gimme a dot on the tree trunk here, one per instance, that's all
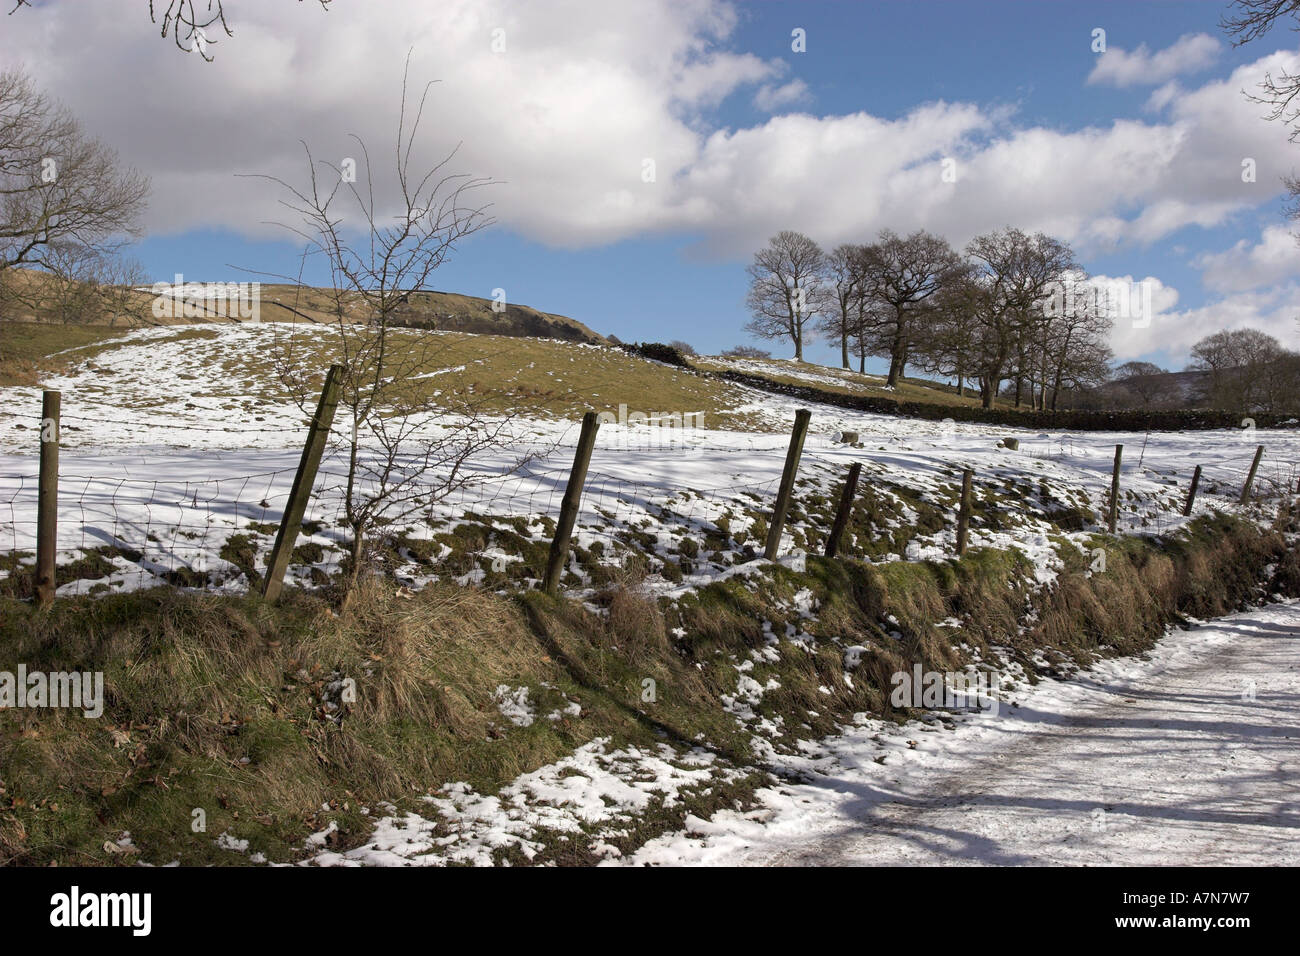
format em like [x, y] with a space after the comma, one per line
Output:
[358, 548]
[989, 385]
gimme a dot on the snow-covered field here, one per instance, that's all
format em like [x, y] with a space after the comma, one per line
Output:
[166, 454]
[169, 456]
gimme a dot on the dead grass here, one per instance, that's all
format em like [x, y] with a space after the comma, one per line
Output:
[29, 351]
[262, 716]
[849, 382]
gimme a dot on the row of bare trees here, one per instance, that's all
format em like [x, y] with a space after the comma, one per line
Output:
[1245, 370]
[1010, 308]
[1248, 369]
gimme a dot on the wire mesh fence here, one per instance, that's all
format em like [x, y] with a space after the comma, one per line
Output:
[694, 506]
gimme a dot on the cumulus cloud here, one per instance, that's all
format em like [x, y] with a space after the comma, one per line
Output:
[1188, 54]
[1245, 266]
[565, 117]
[770, 97]
[1099, 187]
[1170, 332]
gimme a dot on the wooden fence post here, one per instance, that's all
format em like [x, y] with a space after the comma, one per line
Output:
[783, 496]
[846, 508]
[287, 536]
[1250, 478]
[1191, 492]
[47, 501]
[963, 511]
[559, 555]
[1114, 489]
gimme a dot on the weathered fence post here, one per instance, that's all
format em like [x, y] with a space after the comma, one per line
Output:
[963, 511]
[787, 483]
[846, 508]
[287, 536]
[1114, 489]
[1191, 492]
[47, 501]
[1250, 478]
[569, 506]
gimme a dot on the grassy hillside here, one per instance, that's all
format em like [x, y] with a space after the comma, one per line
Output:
[443, 311]
[240, 369]
[845, 381]
[29, 347]
[30, 351]
[34, 292]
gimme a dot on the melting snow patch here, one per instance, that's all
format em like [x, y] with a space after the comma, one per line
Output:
[514, 705]
[594, 792]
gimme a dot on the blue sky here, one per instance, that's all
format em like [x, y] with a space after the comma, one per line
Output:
[1139, 169]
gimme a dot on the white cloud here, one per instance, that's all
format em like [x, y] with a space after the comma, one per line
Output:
[1172, 332]
[1188, 54]
[1245, 266]
[587, 90]
[771, 97]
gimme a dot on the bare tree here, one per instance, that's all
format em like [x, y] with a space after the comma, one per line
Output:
[79, 286]
[66, 291]
[842, 319]
[414, 428]
[945, 343]
[786, 290]
[1068, 350]
[119, 279]
[1151, 385]
[1248, 370]
[59, 188]
[901, 274]
[1013, 273]
[1077, 361]
[1250, 20]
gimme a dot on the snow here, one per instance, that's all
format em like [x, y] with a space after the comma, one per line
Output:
[594, 791]
[166, 454]
[514, 706]
[800, 371]
[1188, 757]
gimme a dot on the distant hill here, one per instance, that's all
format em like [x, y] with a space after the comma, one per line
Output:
[446, 311]
[1186, 389]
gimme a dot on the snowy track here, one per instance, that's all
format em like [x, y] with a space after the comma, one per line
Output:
[1192, 757]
